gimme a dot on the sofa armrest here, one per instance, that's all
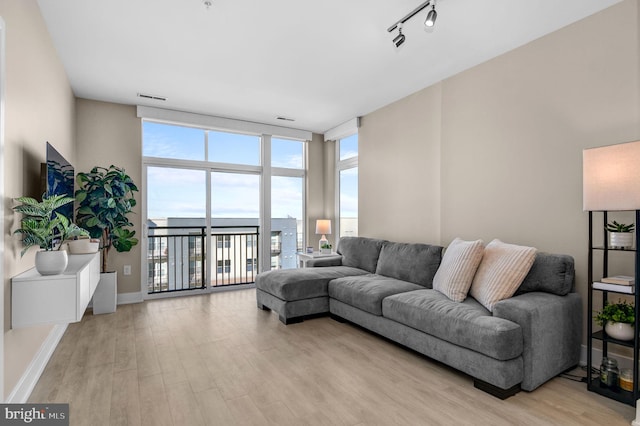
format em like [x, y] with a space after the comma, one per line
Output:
[325, 261]
[552, 333]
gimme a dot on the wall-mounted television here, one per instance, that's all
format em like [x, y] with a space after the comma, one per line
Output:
[59, 179]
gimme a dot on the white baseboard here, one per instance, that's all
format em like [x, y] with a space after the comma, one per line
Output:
[127, 298]
[20, 394]
[623, 360]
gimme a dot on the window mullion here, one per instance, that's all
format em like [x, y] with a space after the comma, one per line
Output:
[265, 205]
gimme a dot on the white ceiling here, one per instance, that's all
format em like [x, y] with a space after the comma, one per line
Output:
[320, 62]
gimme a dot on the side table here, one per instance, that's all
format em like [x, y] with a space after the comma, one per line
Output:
[303, 258]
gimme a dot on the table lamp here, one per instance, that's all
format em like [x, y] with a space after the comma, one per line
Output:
[323, 226]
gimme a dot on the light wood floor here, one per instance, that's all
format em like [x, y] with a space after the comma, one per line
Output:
[218, 360]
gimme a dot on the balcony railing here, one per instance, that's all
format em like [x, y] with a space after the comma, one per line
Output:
[177, 257]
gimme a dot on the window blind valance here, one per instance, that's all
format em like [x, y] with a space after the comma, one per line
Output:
[221, 123]
[342, 131]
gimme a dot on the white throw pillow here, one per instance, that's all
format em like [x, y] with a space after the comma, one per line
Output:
[501, 271]
[459, 264]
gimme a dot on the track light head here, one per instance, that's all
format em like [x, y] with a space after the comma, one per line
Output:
[431, 16]
[399, 39]
[429, 22]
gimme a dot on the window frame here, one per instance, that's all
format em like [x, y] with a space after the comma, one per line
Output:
[342, 165]
[264, 170]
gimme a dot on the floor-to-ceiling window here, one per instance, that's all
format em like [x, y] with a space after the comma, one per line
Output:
[287, 201]
[219, 209]
[347, 185]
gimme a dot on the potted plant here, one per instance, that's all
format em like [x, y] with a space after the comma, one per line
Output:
[325, 248]
[620, 234]
[105, 198]
[42, 226]
[618, 320]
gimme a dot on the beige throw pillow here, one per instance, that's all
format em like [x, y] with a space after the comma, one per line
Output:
[502, 270]
[459, 264]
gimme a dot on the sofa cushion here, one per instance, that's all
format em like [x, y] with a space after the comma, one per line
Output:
[304, 283]
[501, 271]
[360, 252]
[467, 324]
[415, 263]
[366, 292]
[459, 265]
[551, 273]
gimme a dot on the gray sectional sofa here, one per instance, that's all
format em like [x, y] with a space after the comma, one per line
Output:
[386, 287]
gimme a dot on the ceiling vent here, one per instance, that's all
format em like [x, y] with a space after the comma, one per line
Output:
[153, 97]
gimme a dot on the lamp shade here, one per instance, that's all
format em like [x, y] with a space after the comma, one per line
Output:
[611, 177]
[323, 226]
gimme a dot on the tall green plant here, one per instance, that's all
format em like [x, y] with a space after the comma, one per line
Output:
[41, 225]
[105, 198]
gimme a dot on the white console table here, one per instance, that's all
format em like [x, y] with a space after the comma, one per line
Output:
[54, 299]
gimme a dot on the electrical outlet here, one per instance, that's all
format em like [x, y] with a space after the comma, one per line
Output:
[127, 269]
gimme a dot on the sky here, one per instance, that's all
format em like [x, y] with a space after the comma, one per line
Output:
[181, 192]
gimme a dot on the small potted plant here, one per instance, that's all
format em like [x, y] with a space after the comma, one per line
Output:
[325, 248]
[618, 319]
[620, 234]
[42, 226]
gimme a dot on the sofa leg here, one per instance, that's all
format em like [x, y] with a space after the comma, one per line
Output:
[288, 321]
[494, 390]
[263, 307]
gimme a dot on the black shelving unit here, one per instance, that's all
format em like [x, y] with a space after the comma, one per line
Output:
[593, 380]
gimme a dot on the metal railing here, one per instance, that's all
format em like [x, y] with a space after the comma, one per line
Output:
[177, 257]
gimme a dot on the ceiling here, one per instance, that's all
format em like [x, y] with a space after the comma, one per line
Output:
[318, 62]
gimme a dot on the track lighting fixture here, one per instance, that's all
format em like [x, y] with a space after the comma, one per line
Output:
[399, 39]
[431, 16]
[429, 22]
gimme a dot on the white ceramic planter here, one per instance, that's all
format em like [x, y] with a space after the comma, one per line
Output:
[619, 330]
[51, 262]
[621, 239]
[83, 246]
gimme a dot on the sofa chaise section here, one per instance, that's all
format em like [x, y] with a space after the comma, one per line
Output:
[298, 293]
